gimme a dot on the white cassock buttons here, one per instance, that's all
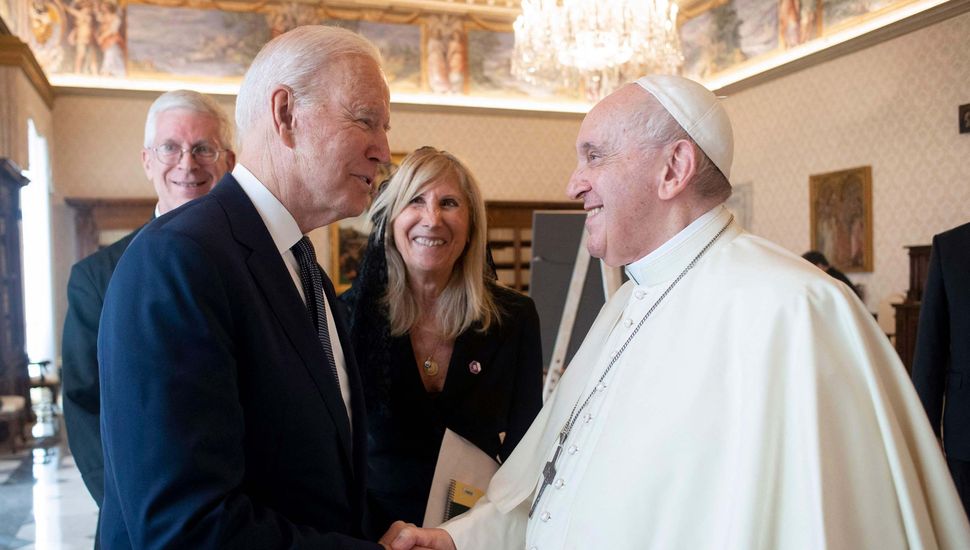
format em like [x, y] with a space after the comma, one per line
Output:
[545, 516]
[559, 484]
[639, 294]
[628, 323]
[572, 449]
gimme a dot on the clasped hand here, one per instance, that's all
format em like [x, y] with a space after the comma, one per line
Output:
[405, 536]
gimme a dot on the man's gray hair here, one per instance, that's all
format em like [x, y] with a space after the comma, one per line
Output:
[658, 127]
[295, 59]
[190, 101]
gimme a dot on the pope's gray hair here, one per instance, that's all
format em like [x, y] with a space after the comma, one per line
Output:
[655, 126]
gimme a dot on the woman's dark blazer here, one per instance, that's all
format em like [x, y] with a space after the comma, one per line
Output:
[492, 392]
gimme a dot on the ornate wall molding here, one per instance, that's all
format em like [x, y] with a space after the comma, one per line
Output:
[15, 53]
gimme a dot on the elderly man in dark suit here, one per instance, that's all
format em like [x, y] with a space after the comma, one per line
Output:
[941, 366]
[187, 148]
[232, 410]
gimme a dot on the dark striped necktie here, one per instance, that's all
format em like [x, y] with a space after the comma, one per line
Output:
[312, 281]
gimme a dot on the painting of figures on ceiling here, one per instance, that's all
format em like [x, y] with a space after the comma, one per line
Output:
[425, 53]
[210, 43]
[78, 36]
[445, 55]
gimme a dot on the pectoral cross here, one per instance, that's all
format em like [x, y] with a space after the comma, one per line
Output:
[548, 474]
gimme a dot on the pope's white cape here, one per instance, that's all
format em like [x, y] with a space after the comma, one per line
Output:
[759, 407]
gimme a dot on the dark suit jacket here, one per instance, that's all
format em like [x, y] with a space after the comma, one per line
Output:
[941, 367]
[79, 355]
[222, 425]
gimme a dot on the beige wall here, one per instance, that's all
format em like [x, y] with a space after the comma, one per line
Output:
[891, 106]
[515, 155]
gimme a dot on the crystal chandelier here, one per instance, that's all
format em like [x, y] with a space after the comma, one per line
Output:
[599, 44]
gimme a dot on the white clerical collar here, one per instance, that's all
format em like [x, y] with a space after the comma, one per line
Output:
[279, 222]
[665, 261]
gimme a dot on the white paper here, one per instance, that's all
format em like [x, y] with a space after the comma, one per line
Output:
[458, 459]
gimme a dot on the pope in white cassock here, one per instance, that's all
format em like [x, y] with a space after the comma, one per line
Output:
[730, 395]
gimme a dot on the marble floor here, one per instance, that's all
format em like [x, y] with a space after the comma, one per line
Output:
[43, 502]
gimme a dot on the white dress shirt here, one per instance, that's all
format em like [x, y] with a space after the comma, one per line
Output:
[286, 233]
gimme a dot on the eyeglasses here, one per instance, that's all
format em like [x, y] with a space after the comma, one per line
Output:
[170, 154]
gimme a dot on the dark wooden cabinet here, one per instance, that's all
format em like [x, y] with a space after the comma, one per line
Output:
[13, 357]
[919, 268]
[907, 312]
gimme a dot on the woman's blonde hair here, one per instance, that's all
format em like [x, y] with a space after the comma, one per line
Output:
[466, 298]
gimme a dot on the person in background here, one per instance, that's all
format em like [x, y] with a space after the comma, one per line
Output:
[942, 358]
[187, 148]
[728, 396]
[232, 413]
[819, 260]
[440, 343]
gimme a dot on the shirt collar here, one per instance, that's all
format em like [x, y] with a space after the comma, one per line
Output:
[279, 222]
[688, 241]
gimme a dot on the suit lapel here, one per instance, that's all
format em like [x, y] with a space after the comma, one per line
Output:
[470, 346]
[271, 276]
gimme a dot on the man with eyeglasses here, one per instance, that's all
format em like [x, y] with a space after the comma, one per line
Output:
[187, 149]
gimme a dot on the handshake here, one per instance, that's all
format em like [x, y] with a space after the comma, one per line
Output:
[405, 536]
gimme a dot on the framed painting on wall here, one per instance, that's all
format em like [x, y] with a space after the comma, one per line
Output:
[348, 237]
[841, 217]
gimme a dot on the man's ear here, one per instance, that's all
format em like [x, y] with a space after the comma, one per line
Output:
[146, 161]
[282, 101]
[678, 170]
[230, 160]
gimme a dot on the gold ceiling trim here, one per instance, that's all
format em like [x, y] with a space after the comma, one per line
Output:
[378, 11]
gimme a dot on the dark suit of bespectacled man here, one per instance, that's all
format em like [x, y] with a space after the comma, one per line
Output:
[232, 410]
[177, 120]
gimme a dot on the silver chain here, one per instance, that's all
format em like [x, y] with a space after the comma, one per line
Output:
[574, 414]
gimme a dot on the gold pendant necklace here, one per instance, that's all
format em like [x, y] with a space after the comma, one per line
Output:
[430, 366]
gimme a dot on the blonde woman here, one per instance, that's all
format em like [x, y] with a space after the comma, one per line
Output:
[440, 344]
